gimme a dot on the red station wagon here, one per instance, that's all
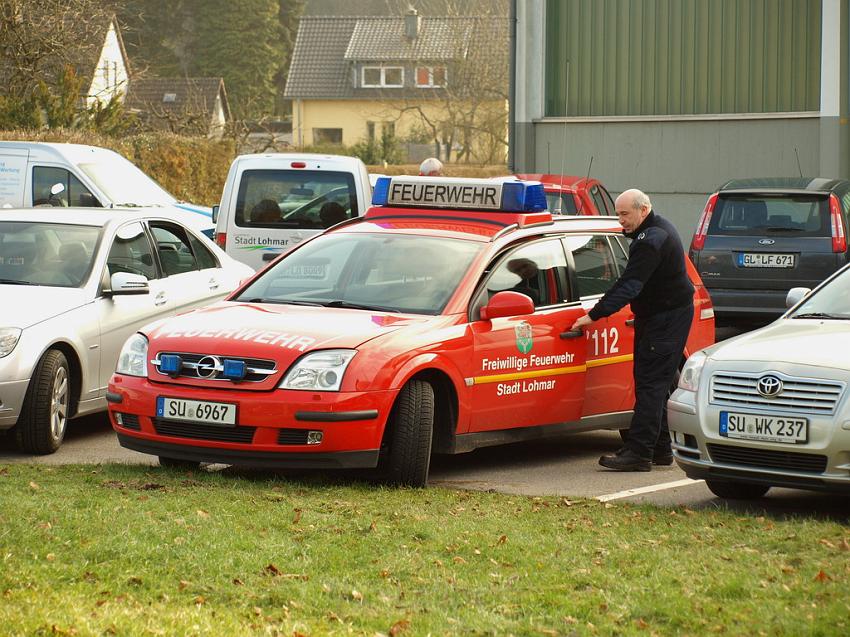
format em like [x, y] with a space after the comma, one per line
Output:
[573, 195]
[437, 322]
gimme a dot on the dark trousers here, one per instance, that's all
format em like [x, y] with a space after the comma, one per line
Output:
[659, 343]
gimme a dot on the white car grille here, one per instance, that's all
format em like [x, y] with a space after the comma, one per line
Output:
[800, 395]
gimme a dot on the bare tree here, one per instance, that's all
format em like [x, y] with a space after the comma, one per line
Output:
[40, 39]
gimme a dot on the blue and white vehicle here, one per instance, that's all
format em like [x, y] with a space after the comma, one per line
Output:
[45, 174]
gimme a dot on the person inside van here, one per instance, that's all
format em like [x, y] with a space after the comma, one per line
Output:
[266, 211]
[331, 213]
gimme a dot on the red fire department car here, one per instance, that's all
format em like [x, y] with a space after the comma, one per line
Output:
[574, 195]
[437, 322]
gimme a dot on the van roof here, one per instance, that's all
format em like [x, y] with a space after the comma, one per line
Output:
[283, 157]
[73, 153]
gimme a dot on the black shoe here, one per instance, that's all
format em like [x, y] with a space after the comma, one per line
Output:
[662, 458]
[625, 460]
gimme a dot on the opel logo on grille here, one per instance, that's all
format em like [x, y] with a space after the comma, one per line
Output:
[767, 242]
[208, 366]
[769, 386]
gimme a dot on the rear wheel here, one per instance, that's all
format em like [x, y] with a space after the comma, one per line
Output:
[44, 417]
[411, 429]
[177, 463]
[736, 490]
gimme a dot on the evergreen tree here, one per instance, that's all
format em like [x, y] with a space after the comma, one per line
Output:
[240, 40]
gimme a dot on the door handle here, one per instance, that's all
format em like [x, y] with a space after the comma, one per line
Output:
[630, 321]
[572, 333]
[213, 284]
[160, 299]
[269, 256]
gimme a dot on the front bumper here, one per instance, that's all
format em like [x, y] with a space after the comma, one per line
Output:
[12, 394]
[822, 464]
[271, 427]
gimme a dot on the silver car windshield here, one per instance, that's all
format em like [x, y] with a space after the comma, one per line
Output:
[50, 254]
[381, 272]
[832, 301]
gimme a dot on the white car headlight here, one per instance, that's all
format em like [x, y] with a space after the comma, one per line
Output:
[133, 360]
[319, 371]
[689, 378]
[8, 339]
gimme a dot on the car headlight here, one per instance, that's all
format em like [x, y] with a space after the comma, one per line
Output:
[319, 371]
[689, 378]
[8, 339]
[133, 360]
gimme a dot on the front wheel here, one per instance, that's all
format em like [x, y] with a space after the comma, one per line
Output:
[411, 425]
[44, 417]
[736, 490]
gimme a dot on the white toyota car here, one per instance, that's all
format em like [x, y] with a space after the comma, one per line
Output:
[771, 407]
[74, 284]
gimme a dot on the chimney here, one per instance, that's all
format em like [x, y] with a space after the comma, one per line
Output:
[412, 22]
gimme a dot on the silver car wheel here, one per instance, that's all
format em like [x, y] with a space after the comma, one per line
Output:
[59, 403]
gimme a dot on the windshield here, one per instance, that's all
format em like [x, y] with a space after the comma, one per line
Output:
[392, 273]
[560, 203]
[124, 184]
[52, 254]
[792, 214]
[831, 301]
[295, 198]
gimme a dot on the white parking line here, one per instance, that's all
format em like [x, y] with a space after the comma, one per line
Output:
[650, 489]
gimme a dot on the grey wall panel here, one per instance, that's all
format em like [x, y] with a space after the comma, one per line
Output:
[681, 161]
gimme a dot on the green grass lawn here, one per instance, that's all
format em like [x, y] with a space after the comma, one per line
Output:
[129, 550]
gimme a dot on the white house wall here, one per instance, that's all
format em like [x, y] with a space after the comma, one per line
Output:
[103, 89]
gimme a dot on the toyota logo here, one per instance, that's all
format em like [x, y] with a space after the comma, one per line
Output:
[209, 366]
[769, 386]
[766, 242]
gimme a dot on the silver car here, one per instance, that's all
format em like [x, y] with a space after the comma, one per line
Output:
[771, 407]
[74, 284]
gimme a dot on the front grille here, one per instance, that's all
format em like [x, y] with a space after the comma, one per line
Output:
[800, 395]
[130, 421]
[768, 459]
[197, 431]
[292, 437]
[257, 369]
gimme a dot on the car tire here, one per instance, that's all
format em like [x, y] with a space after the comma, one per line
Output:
[411, 425]
[177, 463]
[44, 417]
[736, 490]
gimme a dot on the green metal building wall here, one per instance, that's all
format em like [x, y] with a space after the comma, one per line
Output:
[681, 57]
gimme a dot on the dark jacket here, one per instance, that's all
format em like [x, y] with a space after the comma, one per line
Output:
[655, 279]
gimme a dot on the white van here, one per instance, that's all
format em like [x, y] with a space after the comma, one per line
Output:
[42, 174]
[273, 201]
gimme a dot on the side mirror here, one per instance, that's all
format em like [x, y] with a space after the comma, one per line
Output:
[124, 283]
[507, 303]
[215, 210]
[795, 295]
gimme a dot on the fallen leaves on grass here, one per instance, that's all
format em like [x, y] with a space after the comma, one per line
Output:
[399, 627]
[822, 576]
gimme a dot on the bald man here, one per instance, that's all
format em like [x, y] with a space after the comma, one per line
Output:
[656, 284]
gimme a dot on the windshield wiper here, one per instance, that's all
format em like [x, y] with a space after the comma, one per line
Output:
[359, 306]
[283, 302]
[821, 315]
[14, 282]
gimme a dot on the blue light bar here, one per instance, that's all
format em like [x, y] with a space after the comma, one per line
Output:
[518, 196]
[170, 364]
[233, 369]
[381, 191]
[481, 195]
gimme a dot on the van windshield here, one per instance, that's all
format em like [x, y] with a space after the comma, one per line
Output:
[798, 215]
[124, 184]
[295, 198]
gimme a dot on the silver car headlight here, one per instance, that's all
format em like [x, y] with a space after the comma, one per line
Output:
[9, 337]
[133, 360]
[689, 378]
[319, 371]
